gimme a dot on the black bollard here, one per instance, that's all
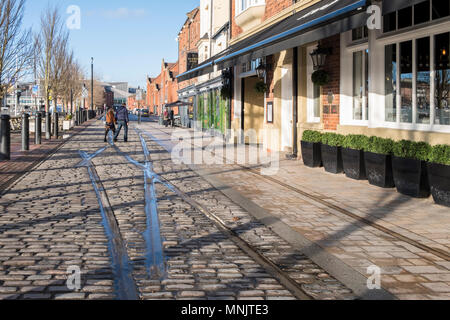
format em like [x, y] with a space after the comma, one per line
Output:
[48, 126]
[5, 137]
[139, 117]
[25, 132]
[56, 125]
[38, 129]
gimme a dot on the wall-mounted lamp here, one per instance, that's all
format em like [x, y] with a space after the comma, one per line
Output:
[261, 71]
[319, 57]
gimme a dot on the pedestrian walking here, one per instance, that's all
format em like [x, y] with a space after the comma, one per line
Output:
[172, 118]
[110, 123]
[122, 121]
[166, 118]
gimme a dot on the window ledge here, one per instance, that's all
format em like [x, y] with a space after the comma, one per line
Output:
[250, 17]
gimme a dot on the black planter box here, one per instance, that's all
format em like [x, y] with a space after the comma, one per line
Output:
[311, 154]
[379, 170]
[439, 178]
[410, 177]
[354, 166]
[332, 159]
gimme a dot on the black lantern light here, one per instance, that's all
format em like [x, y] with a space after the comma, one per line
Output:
[261, 71]
[319, 57]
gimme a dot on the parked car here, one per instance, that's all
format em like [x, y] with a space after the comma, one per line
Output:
[145, 113]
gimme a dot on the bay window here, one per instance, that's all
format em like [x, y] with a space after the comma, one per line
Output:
[442, 79]
[242, 5]
[421, 69]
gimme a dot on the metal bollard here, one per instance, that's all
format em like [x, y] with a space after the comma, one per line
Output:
[139, 117]
[48, 126]
[56, 125]
[38, 129]
[25, 132]
[5, 137]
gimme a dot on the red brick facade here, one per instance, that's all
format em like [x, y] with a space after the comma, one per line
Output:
[331, 112]
[188, 38]
[163, 89]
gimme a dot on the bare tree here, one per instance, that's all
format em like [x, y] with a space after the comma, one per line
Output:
[52, 41]
[16, 47]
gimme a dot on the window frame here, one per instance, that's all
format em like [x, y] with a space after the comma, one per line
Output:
[346, 87]
[413, 35]
[311, 118]
[248, 4]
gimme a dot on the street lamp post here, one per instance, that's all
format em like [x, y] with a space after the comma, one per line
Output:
[92, 84]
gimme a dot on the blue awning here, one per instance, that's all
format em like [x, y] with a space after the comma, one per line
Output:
[314, 16]
[319, 21]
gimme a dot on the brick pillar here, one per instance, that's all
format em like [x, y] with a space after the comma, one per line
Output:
[331, 112]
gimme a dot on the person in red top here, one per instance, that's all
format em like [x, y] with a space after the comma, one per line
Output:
[110, 122]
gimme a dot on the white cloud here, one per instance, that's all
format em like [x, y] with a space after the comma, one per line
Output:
[123, 13]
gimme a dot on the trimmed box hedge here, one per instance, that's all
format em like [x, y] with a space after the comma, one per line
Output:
[312, 136]
[440, 154]
[412, 150]
[333, 139]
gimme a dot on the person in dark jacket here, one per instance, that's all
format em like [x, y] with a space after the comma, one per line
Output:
[122, 121]
[172, 118]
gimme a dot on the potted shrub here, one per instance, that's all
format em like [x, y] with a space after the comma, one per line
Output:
[439, 174]
[410, 168]
[378, 160]
[311, 153]
[353, 156]
[331, 152]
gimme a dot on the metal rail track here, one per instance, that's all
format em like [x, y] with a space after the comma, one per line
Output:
[435, 251]
[290, 284]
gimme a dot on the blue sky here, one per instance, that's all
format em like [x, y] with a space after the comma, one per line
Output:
[127, 39]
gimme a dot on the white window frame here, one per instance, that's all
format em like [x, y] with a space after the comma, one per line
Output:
[346, 83]
[311, 118]
[429, 31]
[243, 5]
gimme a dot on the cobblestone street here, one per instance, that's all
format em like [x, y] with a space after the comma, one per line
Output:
[140, 226]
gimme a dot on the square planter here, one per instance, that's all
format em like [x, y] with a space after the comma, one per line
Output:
[311, 154]
[354, 166]
[379, 170]
[332, 159]
[410, 177]
[439, 178]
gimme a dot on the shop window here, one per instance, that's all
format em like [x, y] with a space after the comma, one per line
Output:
[405, 18]
[390, 22]
[406, 80]
[423, 80]
[418, 76]
[391, 83]
[360, 33]
[422, 12]
[442, 79]
[360, 85]
[441, 9]
[415, 15]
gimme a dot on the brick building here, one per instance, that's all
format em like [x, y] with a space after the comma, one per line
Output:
[387, 80]
[162, 90]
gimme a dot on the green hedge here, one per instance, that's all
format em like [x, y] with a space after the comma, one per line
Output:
[403, 149]
[355, 142]
[440, 154]
[333, 139]
[312, 136]
[412, 150]
[380, 146]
